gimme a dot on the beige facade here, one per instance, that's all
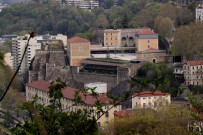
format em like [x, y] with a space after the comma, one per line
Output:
[112, 38]
[148, 99]
[145, 39]
[77, 50]
[41, 89]
[152, 55]
[193, 72]
[144, 44]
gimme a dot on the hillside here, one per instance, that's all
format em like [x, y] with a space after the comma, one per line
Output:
[48, 16]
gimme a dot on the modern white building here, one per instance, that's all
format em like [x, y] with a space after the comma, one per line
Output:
[19, 43]
[84, 4]
[149, 99]
[101, 88]
[18, 47]
[199, 12]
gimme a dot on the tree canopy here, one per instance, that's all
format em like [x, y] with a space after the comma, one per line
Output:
[48, 16]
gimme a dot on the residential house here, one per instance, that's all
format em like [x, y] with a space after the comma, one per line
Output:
[199, 12]
[149, 99]
[193, 72]
[112, 38]
[146, 39]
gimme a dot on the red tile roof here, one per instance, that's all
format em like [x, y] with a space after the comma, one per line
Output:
[122, 113]
[77, 39]
[145, 32]
[40, 84]
[195, 63]
[69, 93]
[150, 93]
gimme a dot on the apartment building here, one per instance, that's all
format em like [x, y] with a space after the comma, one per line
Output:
[112, 38]
[84, 4]
[152, 55]
[199, 12]
[149, 99]
[77, 50]
[41, 88]
[18, 47]
[193, 72]
[146, 39]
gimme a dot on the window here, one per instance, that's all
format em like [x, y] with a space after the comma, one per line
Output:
[106, 107]
[111, 34]
[148, 41]
[98, 115]
[106, 38]
[115, 38]
[106, 33]
[111, 44]
[148, 46]
[106, 44]
[80, 48]
[150, 104]
[144, 105]
[98, 124]
[111, 38]
[143, 98]
[149, 97]
[115, 44]
[157, 54]
[144, 55]
[115, 106]
[136, 104]
[107, 114]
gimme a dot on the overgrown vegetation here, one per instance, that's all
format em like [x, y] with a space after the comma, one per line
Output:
[157, 77]
[171, 120]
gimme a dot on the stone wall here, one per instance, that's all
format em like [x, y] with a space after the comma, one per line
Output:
[49, 65]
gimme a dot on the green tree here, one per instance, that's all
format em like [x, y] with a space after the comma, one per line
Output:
[86, 35]
[52, 120]
[163, 26]
[188, 41]
[101, 21]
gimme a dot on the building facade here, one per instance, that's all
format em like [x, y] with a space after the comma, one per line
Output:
[149, 99]
[146, 39]
[83, 4]
[193, 72]
[112, 38]
[77, 50]
[41, 88]
[18, 47]
[199, 13]
[152, 55]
